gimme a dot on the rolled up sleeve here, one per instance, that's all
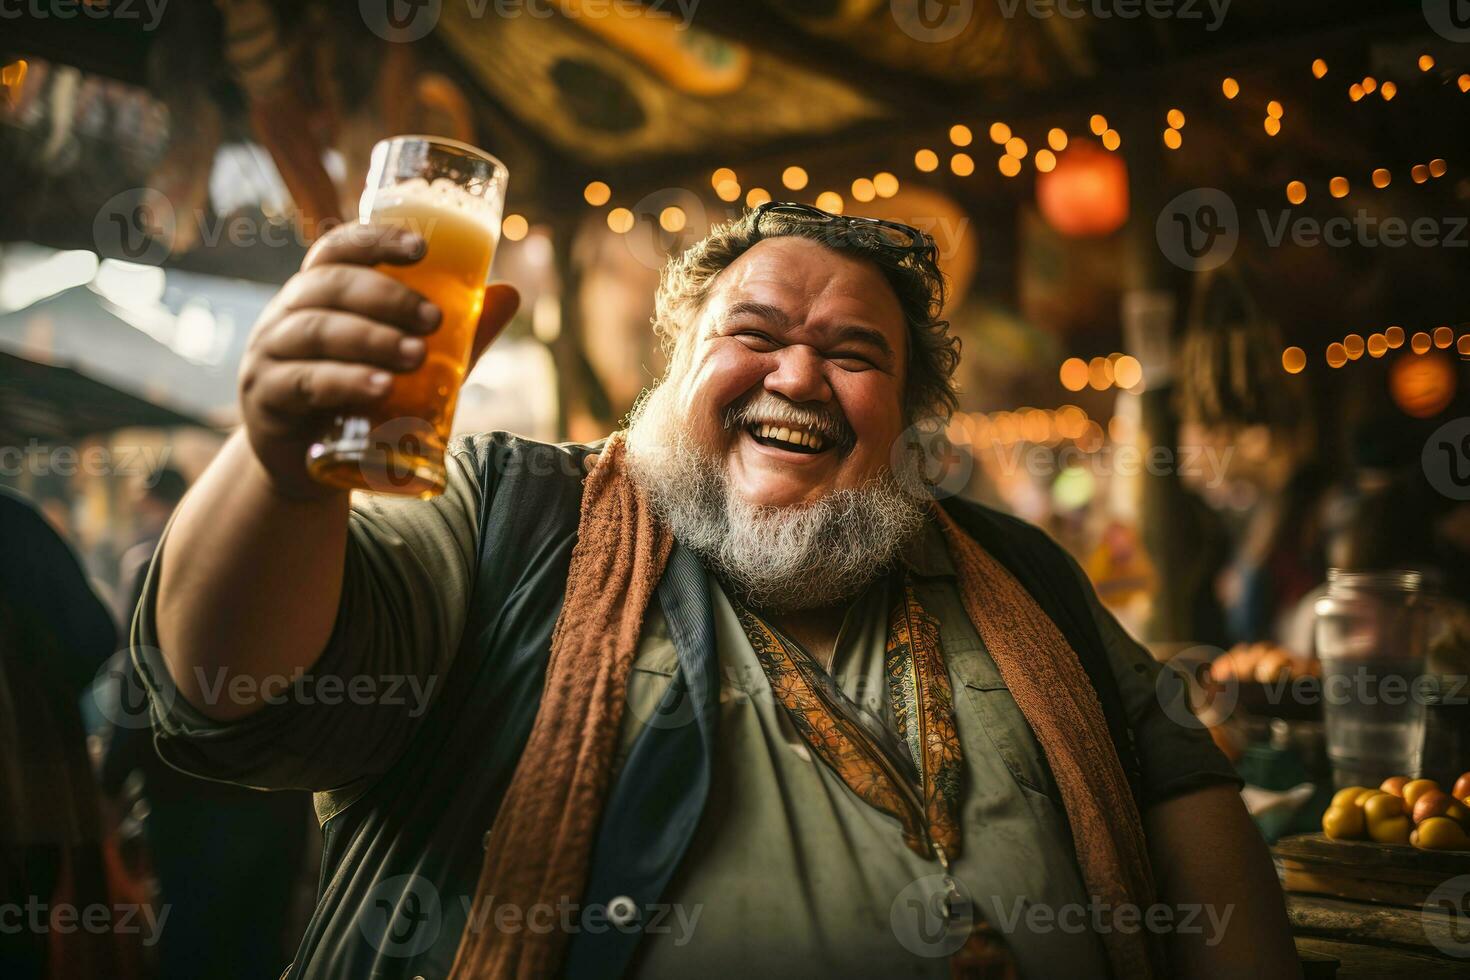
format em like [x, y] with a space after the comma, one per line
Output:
[1175, 749]
[406, 584]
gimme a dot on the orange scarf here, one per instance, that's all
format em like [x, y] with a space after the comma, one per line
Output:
[541, 841]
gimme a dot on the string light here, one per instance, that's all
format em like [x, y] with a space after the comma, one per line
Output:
[597, 193]
[830, 201]
[1272, 125]
[1377, 345]
[1319, 68]
[962, 164]
[1426, 62]
[1175, 119]
[1394, 337]
[672, 218]
[863, 190]
[1296, 192]
[1127, 372]
[793, 178]
[1056, 138]
[756, 197]
[1420, 343]
[1294, 360]
[1419, 173]
[1274, 109]
[1388, 90]
[720, 176]
[885, 183]
[1355, 92]
[514, 227]
[1073, 374]
[1009, 165]
[1172, 139]
[1464, 83]
[999, 133]
[1098, 124]
[926, 160]
[1462, 346]
[1437, 168]
[1046, 161]
[1016, 147]
[1336, 356]
[1230, 87]
[1443, 337]
[1370, 85]
[620, 220]
[1111, 140]
[1338, 187]
[1100, 373]
[728, 190]
[1353, 345]
[1381, 178]
[960, 135]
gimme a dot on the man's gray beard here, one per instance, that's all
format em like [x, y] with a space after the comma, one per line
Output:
[778, 558]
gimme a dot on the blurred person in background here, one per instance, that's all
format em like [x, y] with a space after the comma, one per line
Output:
[153, 505]
[58, 856]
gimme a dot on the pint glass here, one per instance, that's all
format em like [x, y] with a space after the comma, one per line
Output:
[451, 194]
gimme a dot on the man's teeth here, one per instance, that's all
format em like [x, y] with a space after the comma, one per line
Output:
[796, 436]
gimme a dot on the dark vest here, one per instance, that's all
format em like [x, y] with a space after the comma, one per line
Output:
[400, 865]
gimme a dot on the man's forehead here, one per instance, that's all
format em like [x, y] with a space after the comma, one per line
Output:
[798, 272]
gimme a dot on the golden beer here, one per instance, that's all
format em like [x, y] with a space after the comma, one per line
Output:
[452, 195]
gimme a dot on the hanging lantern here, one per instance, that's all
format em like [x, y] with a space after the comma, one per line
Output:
[1422, 385]
[1086, 196]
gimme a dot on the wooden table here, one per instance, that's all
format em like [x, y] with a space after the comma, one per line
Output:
[1360, 909]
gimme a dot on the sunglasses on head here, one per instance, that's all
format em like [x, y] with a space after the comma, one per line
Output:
[871, 232]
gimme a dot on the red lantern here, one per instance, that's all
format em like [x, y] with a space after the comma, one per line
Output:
[1086, 196]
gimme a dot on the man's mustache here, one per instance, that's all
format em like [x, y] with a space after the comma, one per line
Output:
[822, 417]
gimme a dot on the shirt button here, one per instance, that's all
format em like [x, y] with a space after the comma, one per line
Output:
[622, 911]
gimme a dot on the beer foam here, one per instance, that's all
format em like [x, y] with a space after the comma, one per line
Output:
[441, 194]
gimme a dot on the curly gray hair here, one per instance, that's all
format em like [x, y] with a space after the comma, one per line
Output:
[934, 354]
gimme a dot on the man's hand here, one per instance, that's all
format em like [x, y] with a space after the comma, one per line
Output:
[332, 339]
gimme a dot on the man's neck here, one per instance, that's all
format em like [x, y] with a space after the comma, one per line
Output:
[815, 629]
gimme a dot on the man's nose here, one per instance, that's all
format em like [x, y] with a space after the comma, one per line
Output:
[799, 375]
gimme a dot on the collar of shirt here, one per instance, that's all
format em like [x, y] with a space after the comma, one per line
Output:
[927, 556]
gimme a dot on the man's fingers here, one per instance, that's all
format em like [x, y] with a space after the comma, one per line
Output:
[331, 335]
[296, 388]
[501, 302]
[364, 292]
[354, 243]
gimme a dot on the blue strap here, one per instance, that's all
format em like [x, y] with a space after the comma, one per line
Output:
[656, 803]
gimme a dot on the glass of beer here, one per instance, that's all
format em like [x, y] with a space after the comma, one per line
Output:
[453, 195]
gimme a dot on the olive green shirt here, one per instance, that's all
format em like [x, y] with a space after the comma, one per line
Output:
[789, 869]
